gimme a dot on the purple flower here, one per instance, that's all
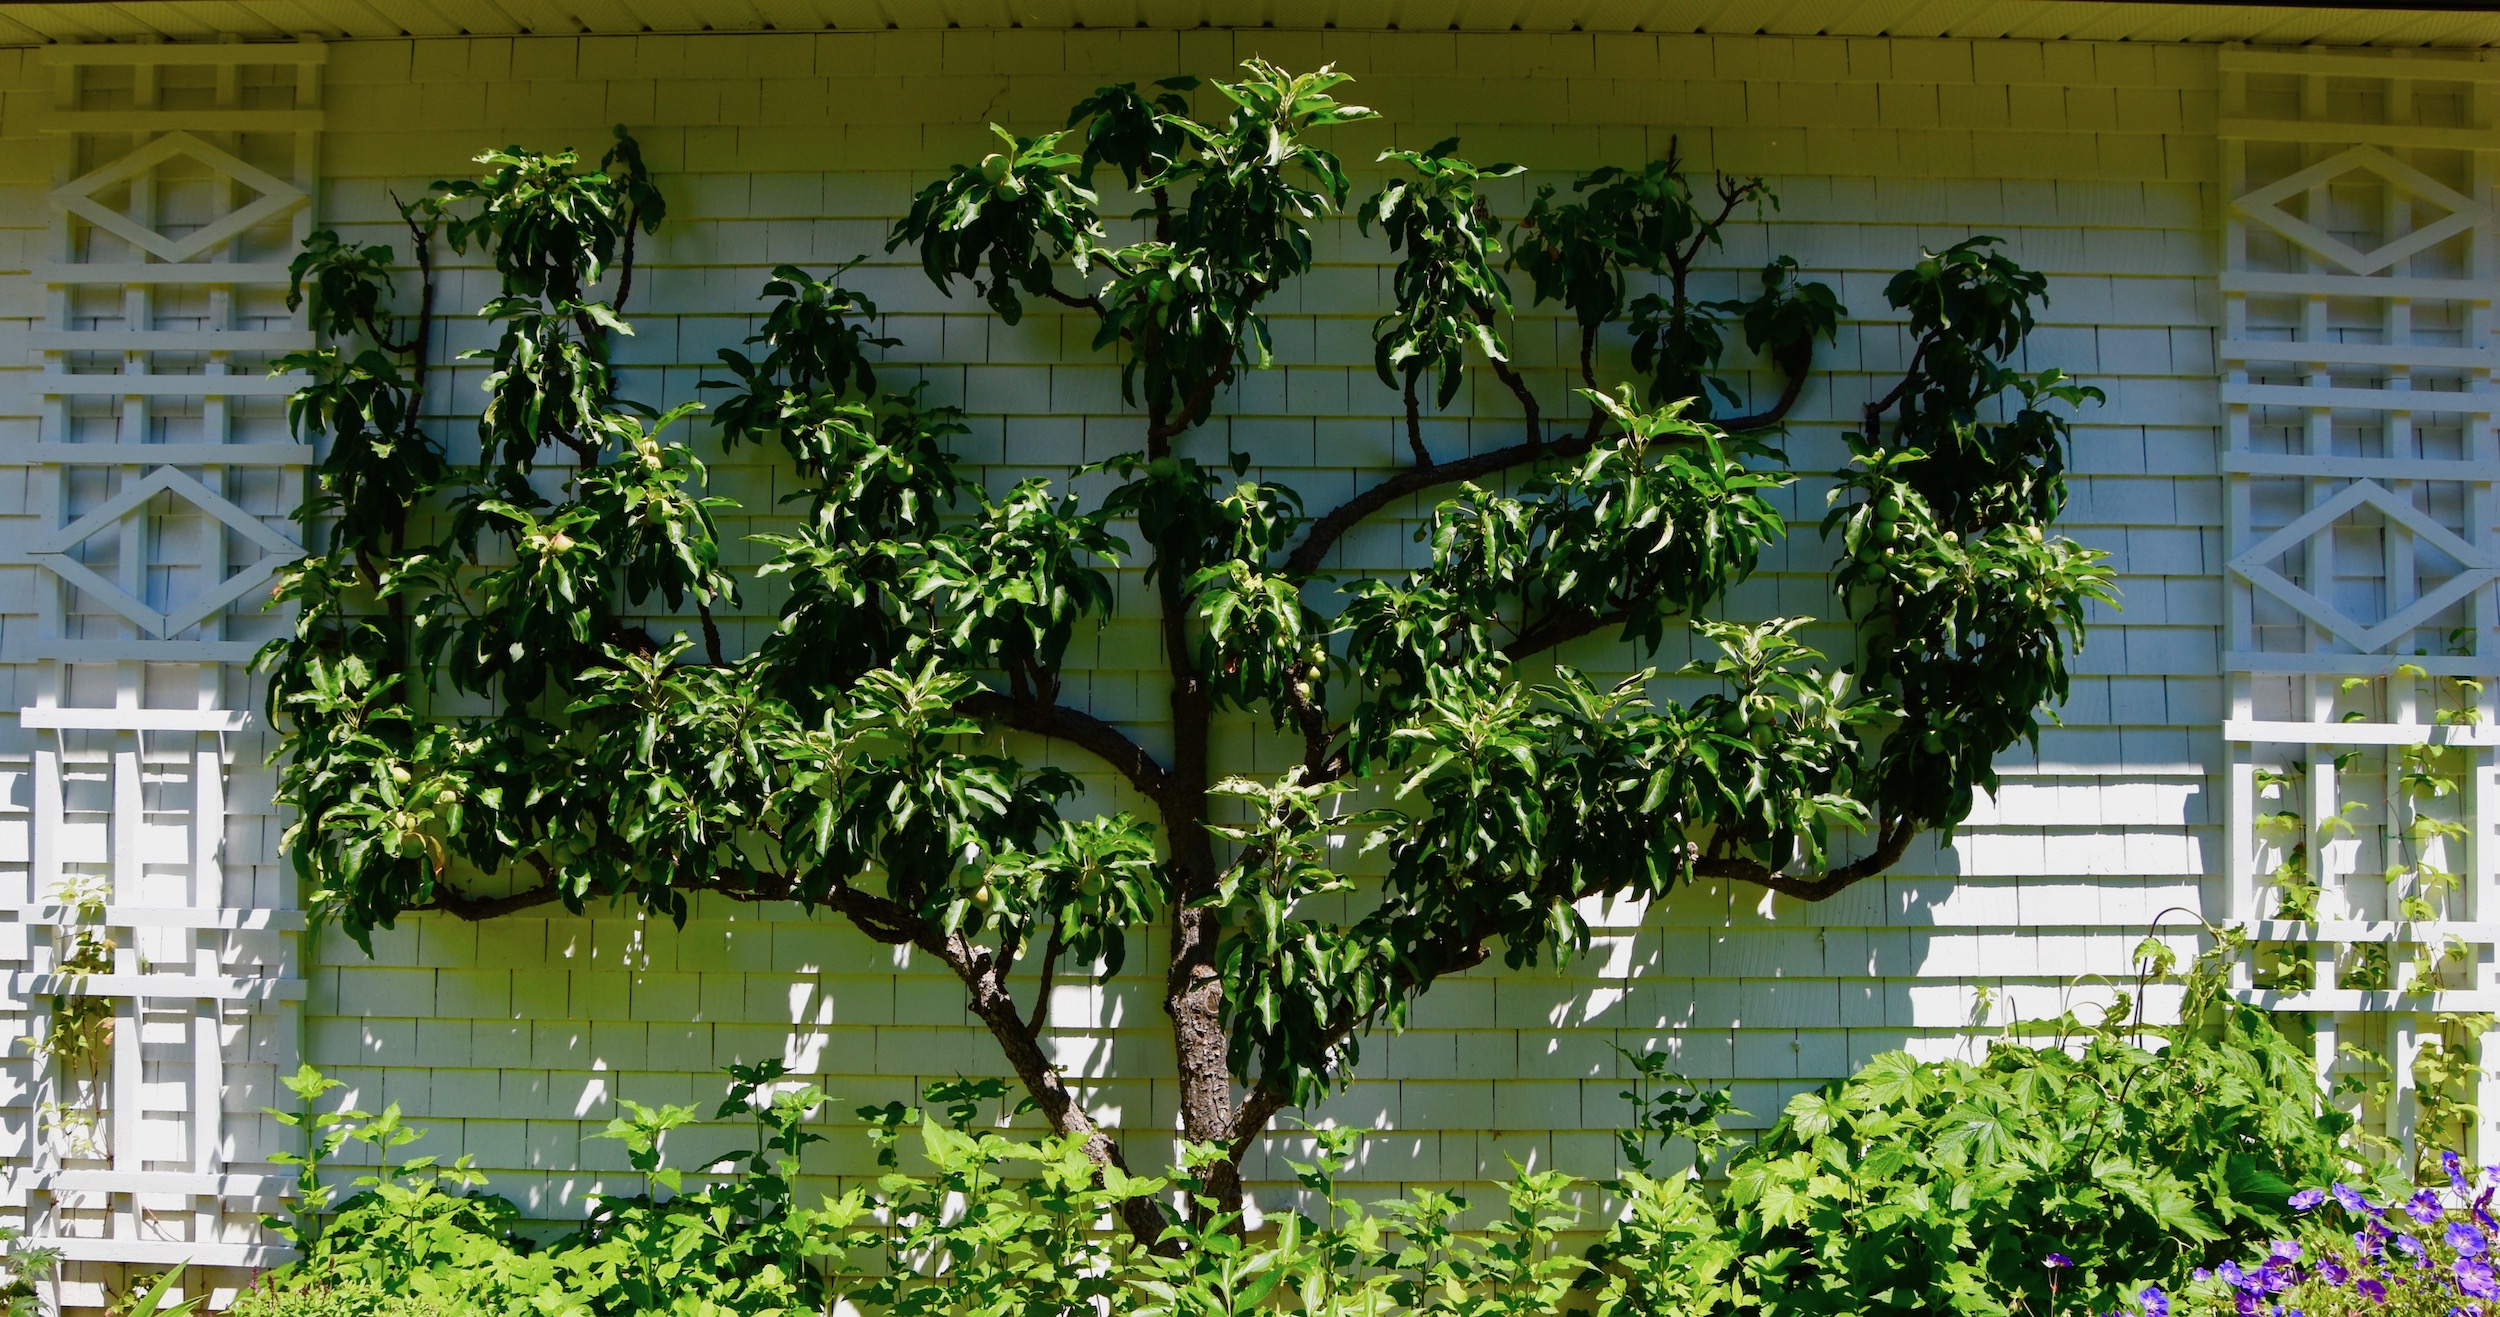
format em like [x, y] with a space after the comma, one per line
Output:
[2466, 1240]
[2350, 1199]
[2455, 1166]
[2408, 1245]
[2275, 1279]
[2424, 1207]
[2283, 1250]
[2054, 1260]
[2232, 1275]
[2332, 1269]
[2244, 1303]
[2371, 1290]
[2475, 1278]
[2156, 1303]
[2200, 1274]
[2307, 1199]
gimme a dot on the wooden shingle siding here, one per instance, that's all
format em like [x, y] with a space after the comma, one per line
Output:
[512, 1040]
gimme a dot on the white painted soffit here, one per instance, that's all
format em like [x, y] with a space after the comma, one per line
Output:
[2351, 23]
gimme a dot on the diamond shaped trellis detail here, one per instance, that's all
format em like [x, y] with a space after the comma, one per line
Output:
[2479, 566]
[277, 197]
[53, 552]
[2265, 206]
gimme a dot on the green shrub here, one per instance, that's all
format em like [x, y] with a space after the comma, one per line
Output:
[2056, 1175]
[340, 1296]
[2059, 1178]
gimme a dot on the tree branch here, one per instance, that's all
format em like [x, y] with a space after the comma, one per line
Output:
[1557, 630]
[1454, 956]
[1325, 532]
[1333, 525]
[1264, 1101]
[883, 920]
[1889, 848]
[1415, 426]
[1077, 728]
[1771, 415]
[1164, 431]
[996, 1007]
[1050, 975]
[1089, 302]
[477, 909]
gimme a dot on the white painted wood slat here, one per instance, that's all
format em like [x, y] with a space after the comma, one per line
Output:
[134, 687]
[2357, 612]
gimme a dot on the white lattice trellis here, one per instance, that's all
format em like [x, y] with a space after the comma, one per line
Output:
[2363, 539]
[185, 182]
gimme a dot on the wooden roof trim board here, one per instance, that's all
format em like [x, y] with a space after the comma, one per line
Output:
[2421, 23]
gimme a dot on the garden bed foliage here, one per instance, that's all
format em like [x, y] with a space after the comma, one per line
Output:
[2065, 1173]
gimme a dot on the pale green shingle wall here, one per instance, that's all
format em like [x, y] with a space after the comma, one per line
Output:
[510, 1040]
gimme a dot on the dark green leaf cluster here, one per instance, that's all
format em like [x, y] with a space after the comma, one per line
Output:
[1230, 210]
[1585, 252]
[472, 588]
[1959, 589]
[1449, 296]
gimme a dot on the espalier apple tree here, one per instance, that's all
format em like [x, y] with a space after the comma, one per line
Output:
[480, 714]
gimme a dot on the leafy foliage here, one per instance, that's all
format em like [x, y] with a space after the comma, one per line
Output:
[2062, 1178]
[487, 706]
[1951, 1186]
[22, 1267]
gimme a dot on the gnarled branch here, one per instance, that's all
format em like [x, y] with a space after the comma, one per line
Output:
[985, 985]
[1890, 846]
[1077, 728]
[1333, 525]
[477, 909]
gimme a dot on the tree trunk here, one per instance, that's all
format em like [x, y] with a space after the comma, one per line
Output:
[1193, 991]
[1194, 998]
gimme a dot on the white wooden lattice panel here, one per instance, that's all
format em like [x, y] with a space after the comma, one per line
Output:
[2360, 456]
[163, 464]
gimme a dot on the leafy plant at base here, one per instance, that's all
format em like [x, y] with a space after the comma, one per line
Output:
[2057, 1178]
[146, 1297]
[22, 1267]
[480, 714]
[2060, 1176]
[326, 1134]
